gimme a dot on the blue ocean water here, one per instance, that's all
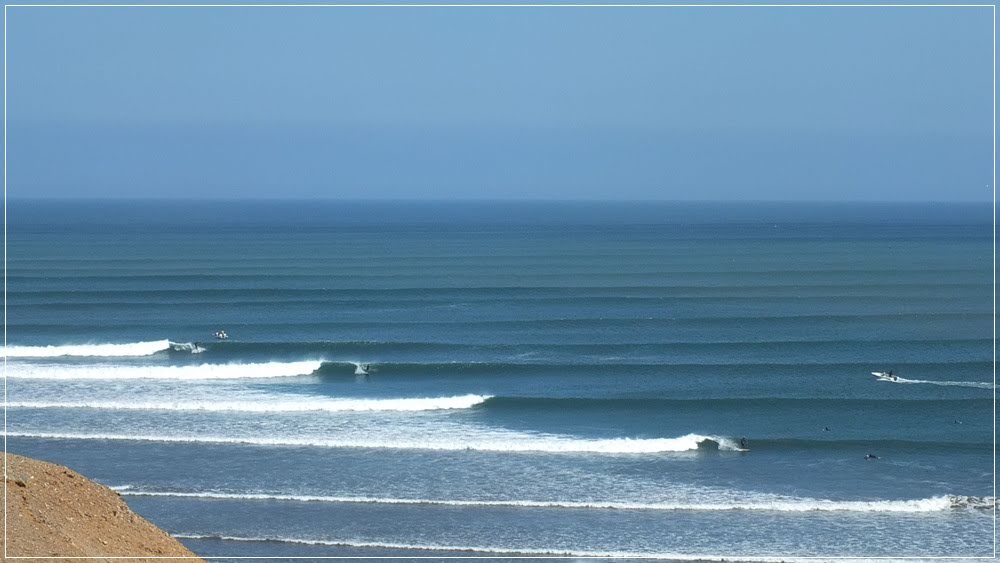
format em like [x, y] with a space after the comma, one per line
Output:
[542, 378]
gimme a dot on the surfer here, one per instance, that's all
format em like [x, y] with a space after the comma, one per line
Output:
[743, 443]
[870, 457]
[826, 429]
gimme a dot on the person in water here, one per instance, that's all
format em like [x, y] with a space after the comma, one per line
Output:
[871, 456]
[743, 443]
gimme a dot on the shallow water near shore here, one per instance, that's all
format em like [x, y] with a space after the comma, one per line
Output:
[472, 379]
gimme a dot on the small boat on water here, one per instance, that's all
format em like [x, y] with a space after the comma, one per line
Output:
[885, 375]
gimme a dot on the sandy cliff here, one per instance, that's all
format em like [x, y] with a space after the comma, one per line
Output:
[55, 512]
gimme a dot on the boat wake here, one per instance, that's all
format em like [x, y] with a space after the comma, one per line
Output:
[973, 384]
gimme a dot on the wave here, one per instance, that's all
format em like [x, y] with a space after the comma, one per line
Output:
[449, 548]
[931, 504]
[529, 552]
[192, 347]
[202, 371]
[270, 405]
[974, 384]
[659, 293]
[526, 443]
[89, 350]
[514, 402]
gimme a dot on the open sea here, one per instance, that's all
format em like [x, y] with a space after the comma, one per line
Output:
[542, 378]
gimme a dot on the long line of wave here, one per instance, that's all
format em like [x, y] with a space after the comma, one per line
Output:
[188, 372]
[930, 504]
[131, 349]
[535, 552]
[270, 404]
[501, 442]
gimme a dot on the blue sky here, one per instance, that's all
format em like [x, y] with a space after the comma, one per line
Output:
[550, 103]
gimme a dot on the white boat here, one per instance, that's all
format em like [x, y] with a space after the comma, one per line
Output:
[884, 376]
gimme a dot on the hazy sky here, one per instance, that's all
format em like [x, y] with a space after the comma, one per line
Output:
[650, 103]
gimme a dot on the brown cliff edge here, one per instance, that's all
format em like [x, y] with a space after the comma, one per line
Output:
[54, 512]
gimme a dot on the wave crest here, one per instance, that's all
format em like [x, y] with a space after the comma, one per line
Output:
[273, 405]
[515, 442]
[931, 504]
[202, 371]
[89, 350]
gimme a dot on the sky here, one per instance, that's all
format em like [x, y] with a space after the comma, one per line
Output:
[717, 104]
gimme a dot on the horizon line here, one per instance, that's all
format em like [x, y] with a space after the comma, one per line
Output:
[85, 199]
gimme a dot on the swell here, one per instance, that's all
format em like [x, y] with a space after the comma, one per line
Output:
[280, 403]
[470, 550]
[727, 403]
[589, 350]
[939, 276]
[930, 504]
[766, 320]
[529, 294]
[519, 552]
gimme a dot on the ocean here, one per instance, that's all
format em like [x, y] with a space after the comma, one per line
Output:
[430, 379]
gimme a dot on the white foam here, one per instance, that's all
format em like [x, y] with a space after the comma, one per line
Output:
[932, 504]
[89, 350]
[200, 371]
[270, 404]
[495, 442]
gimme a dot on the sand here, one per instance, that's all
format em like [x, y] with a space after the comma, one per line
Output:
[55, 512]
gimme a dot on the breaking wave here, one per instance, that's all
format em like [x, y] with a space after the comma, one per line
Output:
[272, 405]
[192, 347]
[514, 442]
[89, 350]
[931, 504]
[202, 371]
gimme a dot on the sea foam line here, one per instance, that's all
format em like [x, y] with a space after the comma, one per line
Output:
[89, 350]
[931, 504]
[201, 371]
[267, 405]
[541, 443]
